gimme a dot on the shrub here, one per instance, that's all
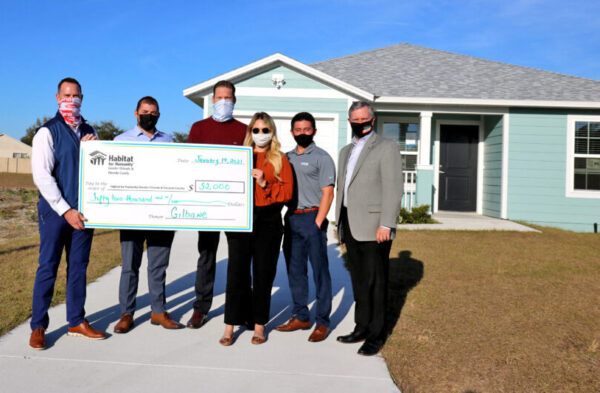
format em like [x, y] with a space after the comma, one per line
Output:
[418, 215]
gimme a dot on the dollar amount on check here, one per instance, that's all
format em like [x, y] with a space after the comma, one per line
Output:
[170, 186]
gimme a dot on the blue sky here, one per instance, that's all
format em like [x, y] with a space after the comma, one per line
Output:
[121, 51]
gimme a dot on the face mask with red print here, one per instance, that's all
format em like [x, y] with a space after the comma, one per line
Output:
[70, 108]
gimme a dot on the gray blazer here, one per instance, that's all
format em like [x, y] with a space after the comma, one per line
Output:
[375, 190]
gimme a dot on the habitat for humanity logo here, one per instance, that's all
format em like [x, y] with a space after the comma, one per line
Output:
[97, 158]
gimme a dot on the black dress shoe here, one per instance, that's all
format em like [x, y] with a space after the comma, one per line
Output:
[352, 338]
[370, 348]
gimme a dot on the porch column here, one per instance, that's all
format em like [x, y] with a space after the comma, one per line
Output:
[425, 139]
[424, 193]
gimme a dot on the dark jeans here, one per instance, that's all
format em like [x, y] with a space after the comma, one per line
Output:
[248, 296]
[368, 263]
[56, 234]
[208, 242]
[306, 241]
[132, 248]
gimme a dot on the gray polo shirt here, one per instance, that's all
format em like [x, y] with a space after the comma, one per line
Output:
[314, 170]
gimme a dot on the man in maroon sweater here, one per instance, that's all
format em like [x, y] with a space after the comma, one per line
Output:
[222, 129]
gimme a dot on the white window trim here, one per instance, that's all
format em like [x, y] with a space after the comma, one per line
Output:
[570, 191]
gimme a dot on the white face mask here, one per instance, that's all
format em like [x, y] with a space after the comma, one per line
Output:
[261, 139]
[222, 111]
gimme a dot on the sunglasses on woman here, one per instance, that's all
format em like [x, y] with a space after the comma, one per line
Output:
[257, 130]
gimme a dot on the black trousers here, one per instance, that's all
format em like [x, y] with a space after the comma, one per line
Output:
[368, 263]
[251, 268]
[208, 242]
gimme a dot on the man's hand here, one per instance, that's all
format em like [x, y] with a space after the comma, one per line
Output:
[89, 137]
[75, 219]
[383, 234]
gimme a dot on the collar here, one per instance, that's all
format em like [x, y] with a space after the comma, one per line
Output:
[309, 149]
[140, 132]
[62, 119]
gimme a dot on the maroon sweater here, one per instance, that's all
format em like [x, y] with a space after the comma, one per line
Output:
[209, 131]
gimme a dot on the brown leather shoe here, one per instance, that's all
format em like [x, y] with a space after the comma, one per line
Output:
[197, 320]
[125, 324]
[37, 339]
[293, 324]
[319, 334]
[165, 321]
[85, 330]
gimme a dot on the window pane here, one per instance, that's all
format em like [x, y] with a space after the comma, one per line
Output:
[579, 182]
[581, 129]
[580, 163]
[581, 146]
[391, 131]
[409, 162]
[593, 164]
[593, 182]
[595, 130]
[594, 145]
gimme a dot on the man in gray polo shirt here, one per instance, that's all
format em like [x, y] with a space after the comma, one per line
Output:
[306, 228]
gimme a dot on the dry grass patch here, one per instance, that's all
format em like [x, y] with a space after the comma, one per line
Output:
[18, 264]
[496, 312]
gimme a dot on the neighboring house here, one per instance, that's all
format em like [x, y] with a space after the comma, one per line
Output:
[475, 135]
[15, 156]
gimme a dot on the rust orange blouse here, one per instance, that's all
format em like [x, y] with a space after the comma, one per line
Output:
[276, 190]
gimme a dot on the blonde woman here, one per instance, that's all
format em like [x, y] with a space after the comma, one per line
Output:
[247, 304]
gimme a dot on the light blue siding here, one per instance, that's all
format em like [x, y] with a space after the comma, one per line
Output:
[537, 173]
[425, 187]
[293, 80]
[492, 164]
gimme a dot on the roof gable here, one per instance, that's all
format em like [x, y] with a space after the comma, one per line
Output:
[196, 93]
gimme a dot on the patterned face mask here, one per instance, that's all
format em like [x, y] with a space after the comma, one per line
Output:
[70, 109]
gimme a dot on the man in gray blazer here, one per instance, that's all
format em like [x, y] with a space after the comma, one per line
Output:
[369, 192]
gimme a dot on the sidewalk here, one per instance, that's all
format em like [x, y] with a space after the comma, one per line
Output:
[153, 359]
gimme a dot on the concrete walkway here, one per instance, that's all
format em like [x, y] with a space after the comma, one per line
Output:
[468, 222]
[153, 359]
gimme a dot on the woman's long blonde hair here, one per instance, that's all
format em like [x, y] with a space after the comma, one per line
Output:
[273, 155]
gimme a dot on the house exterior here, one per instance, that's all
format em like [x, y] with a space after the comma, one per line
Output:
[475, 135]
[15, 156]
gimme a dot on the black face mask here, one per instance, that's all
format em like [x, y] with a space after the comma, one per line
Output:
[303, 139]
[358, 128]
[148, 121]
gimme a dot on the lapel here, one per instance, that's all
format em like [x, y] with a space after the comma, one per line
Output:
[363, 155]
[344, 162]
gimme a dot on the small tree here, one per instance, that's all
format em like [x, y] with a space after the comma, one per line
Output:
[106, 130]
[30, 132]
[179, 137]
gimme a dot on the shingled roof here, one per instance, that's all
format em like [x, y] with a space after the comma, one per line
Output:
[406, 70]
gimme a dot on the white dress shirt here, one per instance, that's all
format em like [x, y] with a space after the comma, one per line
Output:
[42, 165]
[358, 143]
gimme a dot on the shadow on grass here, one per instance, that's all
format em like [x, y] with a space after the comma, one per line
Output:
[405, 274]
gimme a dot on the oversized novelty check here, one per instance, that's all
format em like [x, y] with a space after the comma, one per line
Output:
[173, 186]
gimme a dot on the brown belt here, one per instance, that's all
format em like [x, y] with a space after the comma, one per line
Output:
[302, 211]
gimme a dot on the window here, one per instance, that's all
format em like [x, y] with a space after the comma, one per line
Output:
[583, 157]
[20, 155]
[406, 134]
